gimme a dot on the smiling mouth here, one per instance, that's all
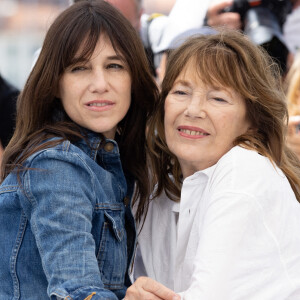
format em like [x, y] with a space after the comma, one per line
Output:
[193, 132]
[99, 104]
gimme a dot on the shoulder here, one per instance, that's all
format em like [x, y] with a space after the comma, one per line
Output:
[240, 160]
[246, 170]
[62, 152]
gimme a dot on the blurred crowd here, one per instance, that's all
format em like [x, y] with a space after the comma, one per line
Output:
[164, 25]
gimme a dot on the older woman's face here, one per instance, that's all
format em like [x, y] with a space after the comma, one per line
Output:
[96, 94]
[201, 122]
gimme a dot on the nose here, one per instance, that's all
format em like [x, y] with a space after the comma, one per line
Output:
[195, 107]
[98, 81]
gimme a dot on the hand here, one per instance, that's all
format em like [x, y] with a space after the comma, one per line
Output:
[145, 288]
[293, 137]
[217, 18]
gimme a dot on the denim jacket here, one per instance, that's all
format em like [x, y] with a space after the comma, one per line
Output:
[66, 226]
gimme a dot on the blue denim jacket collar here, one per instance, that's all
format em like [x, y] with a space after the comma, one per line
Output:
[91, 146]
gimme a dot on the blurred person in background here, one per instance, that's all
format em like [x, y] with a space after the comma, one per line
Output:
[188, 16]
[158, 6]
[262, 21]
[8, 98]
[174, 44]
[131, 9]
[292, 83]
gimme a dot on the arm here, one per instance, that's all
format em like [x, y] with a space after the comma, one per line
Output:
[59, 203]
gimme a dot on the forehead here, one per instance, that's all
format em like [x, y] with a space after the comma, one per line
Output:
[88, 48]
[191, 75]
[191, 72]
[205, 72]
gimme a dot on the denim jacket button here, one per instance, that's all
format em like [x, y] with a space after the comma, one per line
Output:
[108, 147]
[126, 201]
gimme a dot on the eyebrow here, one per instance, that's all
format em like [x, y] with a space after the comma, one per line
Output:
[183, 82]
[115, 57]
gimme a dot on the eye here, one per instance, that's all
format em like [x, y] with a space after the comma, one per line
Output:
[115, 66]
[218, 99]
[78, 68]
[179, 92]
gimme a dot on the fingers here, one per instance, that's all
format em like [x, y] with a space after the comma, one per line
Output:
[230, 20]
[148, 289]
[216, 18]
[215, 9]
[140, 295]
[159, 290]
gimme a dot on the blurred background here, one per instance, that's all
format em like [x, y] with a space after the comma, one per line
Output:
[23, 24]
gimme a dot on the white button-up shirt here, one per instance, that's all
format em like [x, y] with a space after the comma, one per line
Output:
[235, 234]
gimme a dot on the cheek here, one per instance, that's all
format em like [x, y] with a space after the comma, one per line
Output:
[67, 90]
[230, 125]
[126, 89]
[169, 116]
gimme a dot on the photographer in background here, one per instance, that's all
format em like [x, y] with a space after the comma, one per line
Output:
[261, 20]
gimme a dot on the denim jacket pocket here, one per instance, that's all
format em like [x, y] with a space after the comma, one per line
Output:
[112, 254]
[116, 225]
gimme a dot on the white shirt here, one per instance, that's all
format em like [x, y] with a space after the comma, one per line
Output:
[234, 236]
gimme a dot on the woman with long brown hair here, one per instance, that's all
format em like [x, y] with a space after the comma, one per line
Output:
[78, 151]
[230, 226]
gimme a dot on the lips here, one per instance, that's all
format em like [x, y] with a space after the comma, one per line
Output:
[192, 132]
[100, 105]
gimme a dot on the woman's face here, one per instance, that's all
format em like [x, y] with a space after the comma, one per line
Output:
[201, 122]
[96, 94]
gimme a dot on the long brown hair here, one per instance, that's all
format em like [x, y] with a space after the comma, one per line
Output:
[229, 59]
[40, 114]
